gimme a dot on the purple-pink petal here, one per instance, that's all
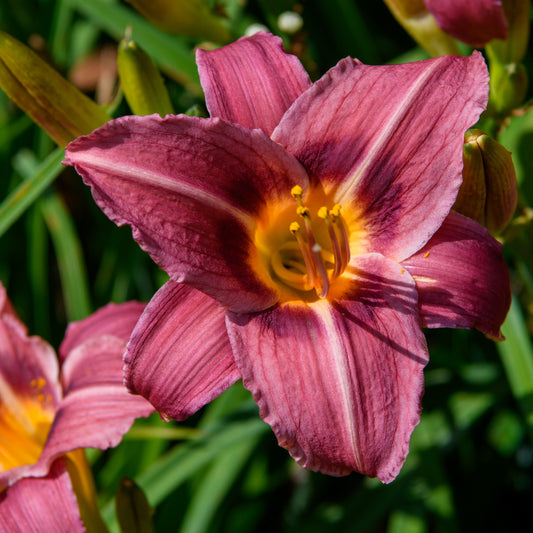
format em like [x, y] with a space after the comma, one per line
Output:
[97, 409]
[46, 504]
[461, 278]
[113, 319]
[475, 23]
[191, 189]
[28, 365]
[252, 81]
[179, 356]
[388, 140]
[340, 383]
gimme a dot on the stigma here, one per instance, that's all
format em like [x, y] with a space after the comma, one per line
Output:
[318, 252]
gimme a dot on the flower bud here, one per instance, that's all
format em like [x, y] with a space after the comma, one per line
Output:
[49, 99]
[488, 193]
[184, 17]
[422, 27]
[141, 82]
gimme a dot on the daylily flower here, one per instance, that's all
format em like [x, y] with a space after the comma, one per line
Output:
[474, 23]
[49, 410]
[307, 232]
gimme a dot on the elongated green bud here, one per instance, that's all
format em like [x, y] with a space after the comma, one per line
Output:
[422, 27]
[488, 194]
[141, 82]
[193, 18]
[56, 105]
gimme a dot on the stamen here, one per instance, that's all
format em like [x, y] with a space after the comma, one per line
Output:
[295, 228]
[317, 261]
[335, 214]
[337, 255]
[296, 193]
[290, 269]
[321, 291]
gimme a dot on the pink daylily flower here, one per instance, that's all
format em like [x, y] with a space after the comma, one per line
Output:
[474, 23]
[307, 232]
[49, 409]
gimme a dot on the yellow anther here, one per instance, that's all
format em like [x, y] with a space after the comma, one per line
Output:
[335, 211]
[323, 212]
[294, 227]
[296, 191]
[302, 211]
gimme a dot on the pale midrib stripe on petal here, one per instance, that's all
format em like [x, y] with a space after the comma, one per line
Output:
[346, 188]
[325, 309]
[185, 190]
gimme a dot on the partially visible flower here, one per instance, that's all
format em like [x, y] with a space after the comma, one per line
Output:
[48, 411]
[475, 23]
[488, 193]
[432, 23]
[421, 25]
[307, 232]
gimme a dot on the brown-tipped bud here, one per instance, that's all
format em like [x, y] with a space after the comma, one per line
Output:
[488, 193]
[49, 99]
[422, 27]
[141, 82]
[184, 17]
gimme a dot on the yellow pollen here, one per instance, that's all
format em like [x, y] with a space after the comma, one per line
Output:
[38, 383]
[323, 212]
[296, 191]
[426, 255]
[294, 227]
[335, 211]
[302, 211]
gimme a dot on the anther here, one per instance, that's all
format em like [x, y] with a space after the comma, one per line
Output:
[302, 211]
[296, 192]
[294, 227]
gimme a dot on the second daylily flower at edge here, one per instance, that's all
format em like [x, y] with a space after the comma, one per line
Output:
[47, 414]
[337, 373]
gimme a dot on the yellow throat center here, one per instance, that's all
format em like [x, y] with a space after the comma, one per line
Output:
[304, 248]
[24, 423]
